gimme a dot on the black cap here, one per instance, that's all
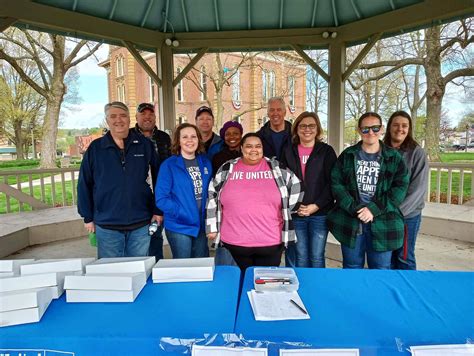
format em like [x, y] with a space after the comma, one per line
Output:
[144, 106]
[204, 109]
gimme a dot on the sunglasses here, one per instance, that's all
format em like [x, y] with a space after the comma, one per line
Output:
[375, 128]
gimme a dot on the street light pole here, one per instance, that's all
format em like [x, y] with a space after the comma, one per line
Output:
[33, 140]
[467, 136]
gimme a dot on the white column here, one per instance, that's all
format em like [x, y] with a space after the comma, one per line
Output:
[337, 59]
[165, 68]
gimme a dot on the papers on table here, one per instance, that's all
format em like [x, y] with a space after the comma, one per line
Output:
[184, 270]
[320, 352]
[118, 279]
[24, 306]
[121, 265]
[56, 265]
[104, 287]
[443, 350]
[227, 351]
[268, 306]
[10, 268]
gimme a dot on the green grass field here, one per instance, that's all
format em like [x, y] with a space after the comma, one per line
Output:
[457, 157]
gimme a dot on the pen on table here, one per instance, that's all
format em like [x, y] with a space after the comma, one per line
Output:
[298, 306]
[272, 280]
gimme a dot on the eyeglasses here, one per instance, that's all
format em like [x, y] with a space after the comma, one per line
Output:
[303, 127]
[375, 129]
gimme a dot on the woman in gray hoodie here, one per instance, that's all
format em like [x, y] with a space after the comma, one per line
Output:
[400, 136]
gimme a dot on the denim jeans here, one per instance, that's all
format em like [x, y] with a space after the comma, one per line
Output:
[185, 246]
[121, 243]
[355, 257]
[312, 233]
[224, 257]
[290, 255]
[412, 225]
[156, 244]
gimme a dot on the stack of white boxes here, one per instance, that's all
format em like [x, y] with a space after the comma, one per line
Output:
[9, 268]
[25, 297]
[110, 280]
[184, 270]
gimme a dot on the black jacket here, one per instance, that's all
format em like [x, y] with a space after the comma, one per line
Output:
[161, 141]
[317, 181]
[269, 149]
[223, 156]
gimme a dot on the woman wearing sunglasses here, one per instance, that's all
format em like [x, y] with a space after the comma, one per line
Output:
[312, 161]
[369, 182]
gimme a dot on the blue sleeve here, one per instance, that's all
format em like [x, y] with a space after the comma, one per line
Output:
[85, 188]
[163, 190]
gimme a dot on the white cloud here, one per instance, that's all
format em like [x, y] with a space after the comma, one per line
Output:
[85, 115]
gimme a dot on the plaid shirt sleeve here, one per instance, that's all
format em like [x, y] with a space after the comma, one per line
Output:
[339, 187]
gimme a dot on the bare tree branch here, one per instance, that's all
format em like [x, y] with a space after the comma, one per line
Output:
[464, 72]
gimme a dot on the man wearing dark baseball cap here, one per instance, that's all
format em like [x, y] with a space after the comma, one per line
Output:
[146, 126]
[205, 122]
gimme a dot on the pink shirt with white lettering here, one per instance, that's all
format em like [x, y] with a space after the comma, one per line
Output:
[304, 153]
[251, 207]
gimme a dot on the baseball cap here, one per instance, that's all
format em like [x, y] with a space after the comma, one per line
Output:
[144, 106]
[115, 104]
[204, 109]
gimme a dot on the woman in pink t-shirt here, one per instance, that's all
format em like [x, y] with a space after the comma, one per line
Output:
[249, 206]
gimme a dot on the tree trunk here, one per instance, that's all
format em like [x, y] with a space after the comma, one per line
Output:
[434, 92]
[18, 140]
[50, 124]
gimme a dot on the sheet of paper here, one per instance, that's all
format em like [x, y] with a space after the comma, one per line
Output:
[199, 350]
[320, 352]
[443, 350]
[269, 306]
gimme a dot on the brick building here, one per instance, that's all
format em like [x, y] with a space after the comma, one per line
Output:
[245, 84]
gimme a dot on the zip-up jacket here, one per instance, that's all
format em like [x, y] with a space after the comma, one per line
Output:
[216, 146]
[113, 188]
[388, 225]
[269, 149]
[162, 142]
[174, 194]
[317, 181]
[288, 185]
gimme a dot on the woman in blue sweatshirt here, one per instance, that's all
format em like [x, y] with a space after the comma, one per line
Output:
[181, 193]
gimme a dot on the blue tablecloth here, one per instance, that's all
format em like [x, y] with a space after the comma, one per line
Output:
[380, 312]
[184, 310]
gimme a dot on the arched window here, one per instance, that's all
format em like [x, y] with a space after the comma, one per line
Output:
[264, 86]
[291, 91]
[180, 94]
[272, 84]
[203, 83]
[119, 63]
[181, 119]
[236, 87]
[151, 89]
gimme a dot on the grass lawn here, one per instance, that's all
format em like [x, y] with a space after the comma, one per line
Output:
[58, 201]
[457, 157]
[454, 188]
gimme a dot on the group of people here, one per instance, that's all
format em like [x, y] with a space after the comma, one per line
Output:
[254, 195]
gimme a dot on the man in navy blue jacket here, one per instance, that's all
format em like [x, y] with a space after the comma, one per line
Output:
[114, 189]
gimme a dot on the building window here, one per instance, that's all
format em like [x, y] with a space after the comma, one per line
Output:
[121, 93]
[237, 118]
[272, 85]
[203, 84]
[291, 91]
[151, 89]
[264, 86]
[119, 66]
[180, 93]
[236, 88]
[181, 119]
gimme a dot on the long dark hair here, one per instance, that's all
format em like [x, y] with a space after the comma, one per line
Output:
[409, 142]
[175, 146]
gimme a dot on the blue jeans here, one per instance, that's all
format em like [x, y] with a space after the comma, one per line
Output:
[355, 257]
[312, 233]
[412, 226]
[185, 246]
[121, 243]
[156, 244]
[290, 255]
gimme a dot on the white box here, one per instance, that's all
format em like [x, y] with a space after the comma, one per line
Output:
[56, 265]
[29, 315]
[123, 281]
[102, 296]
[24, 299]
[56, 291]
[121, 265]
[184, 270]
[13, 265]
[32, 281]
